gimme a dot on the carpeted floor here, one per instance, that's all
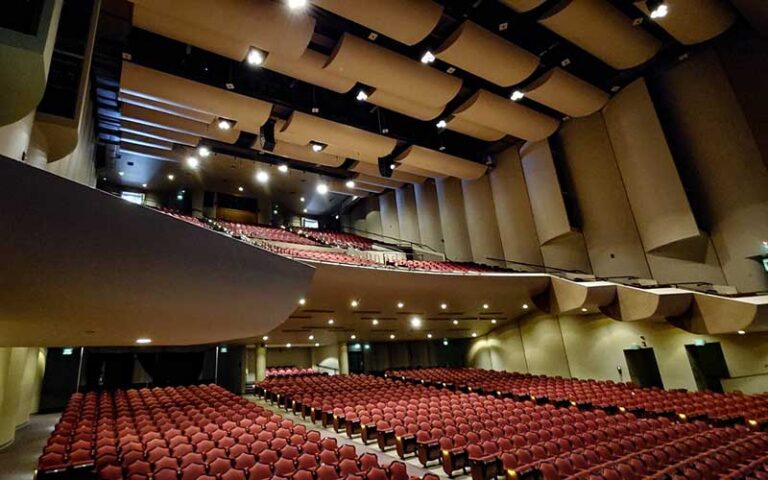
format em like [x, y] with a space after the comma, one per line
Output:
[18, 461]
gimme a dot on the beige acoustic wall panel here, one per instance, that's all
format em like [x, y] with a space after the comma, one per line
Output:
[484, 238]
[440, 163]
[653, 186]
[602, 30]
[453, 221]
[407, 21]
[522, 6]
[373, 215]
[139, 81]
[694, 21]
[501, 114]
[406, 214]
[390, 224]
[547, 202]
[384, 69]
[607, 223]
[487, 55]
[566, 93]
[731, 178]
[309, 67]
[264, 24]
[513, 210]
[458, 124]
[428, 213]
[305, 128]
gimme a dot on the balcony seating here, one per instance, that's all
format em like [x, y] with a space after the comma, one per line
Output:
[290, 372]
[183, 216]
[448, 267]
[339, 239]
[322, 256]
[263, 232]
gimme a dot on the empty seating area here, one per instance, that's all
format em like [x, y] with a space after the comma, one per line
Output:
[339, 239]
[322, 256]
[186, 433]
[184, 216]
[290, 372]
[263, 232]
[724, 408]
[495, 435]
[446, 267]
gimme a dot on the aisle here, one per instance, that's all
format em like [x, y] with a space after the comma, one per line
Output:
[19, 460]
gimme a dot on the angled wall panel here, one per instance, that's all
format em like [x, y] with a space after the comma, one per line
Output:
[390, 225]
[428, 213]
[453, 221]
[484, 237]
[406, 214]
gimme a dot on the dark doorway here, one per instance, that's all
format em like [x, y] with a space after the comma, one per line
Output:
[708, 365]
[355, 359]
[643, 369]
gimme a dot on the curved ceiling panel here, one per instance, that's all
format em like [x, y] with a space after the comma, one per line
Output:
[303, 153]
[399, 176]
[602, 30]
[309, 68]
[382, 182]
[160, 106]
[407, 21]
[408, 107]
[567, 93]
[472, 129]
[249, 113]
[166, 121]
[413, 170]
[522, 5]
[440, 163]
[308, 128]
[158, 133]
[487, 55]
[499, 113]
[384, 69]
[263, 24]
[694, 21]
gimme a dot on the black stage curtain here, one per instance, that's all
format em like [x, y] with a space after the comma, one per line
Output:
[172, 368]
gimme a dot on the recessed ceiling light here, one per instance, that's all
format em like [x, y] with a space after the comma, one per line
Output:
[445, 342]
[193, 162]
[416, 322]
[311, 337]
[274, 212]
[429, 335]
[350, 184]
[493, 321]
[485, 306]
[354, 303]
[741, 332]
[336, 217]
[301, 199]
[265, 337]
[262, 176]
[428, 57]
[391, 336]
[474, 335]
[143, 341]
[455, 322]
[330, 321]
[255, 57]
[317, 147]
[517, 95]
[282, 168]
[525, 306]
[296, 4]
[659, 11]
[171, 176]
[400, 304]
[288, 345]
[322, 188]
[240, 189]
[317, 344]
[224, 124]
[144, 185]
[442, 124]
[392, 166]
[203, 151]
[375, 321]
[302, 301]
[352, 337]
[583, 309]
[121, 173]
[361, 96]
[443, 306]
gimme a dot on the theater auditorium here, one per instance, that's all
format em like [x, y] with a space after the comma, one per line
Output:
[383, 239]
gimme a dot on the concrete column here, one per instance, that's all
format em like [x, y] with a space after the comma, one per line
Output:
[453, 221]
[406, 214]
[197, 197]
[482, 226]
[210, 212]
[428, 213]
[343, 359]
[261, 362]
[389, 223]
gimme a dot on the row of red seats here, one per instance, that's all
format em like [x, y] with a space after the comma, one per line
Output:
[321, 256]
[265, 233]
[290, 372]
[183, 216]
[715, 406]
[187, 433]
[435, 266]
[339, 239]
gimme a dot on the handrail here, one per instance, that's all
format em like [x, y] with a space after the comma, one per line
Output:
[542, 268]
[397, 240]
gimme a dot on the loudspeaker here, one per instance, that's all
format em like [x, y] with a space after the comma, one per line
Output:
[267, 136]
[385, 166]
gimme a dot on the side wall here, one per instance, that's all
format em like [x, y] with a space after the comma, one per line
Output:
[21, 374]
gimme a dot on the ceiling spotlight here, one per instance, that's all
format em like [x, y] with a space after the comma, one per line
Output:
[121, 173]
[352, 337]
[445, 342]
[493, 321]
[330, 321]
[583, 309]
[350, 184]
[262, 176]
[224, 124]
[255, 57]
[455, 322]
[474, 335]
[144, 185]
[301, 199]
[193, 162]
[180, 196]
[443, 306]
[265, 338]
[283, 168]
[485, 306]
[317, 344]
[427, 58]
[741, 332]
[442, 124]
[143, 341]
[296, 4]
[170, 176]
[317, 147]
[322, 188]
[391, 336]
[517, 95]
[274, 212]
[416, 322]
[658, 9]
[354, 303]
[392, 166]
[304, 211]
[311, 337]
[203, 151]
[302, 301]
[240, 189]
[361, 96]
[429, 335]
[525, 306]
[336, 217]
[400, 304]
[375, 321]
[287, 345]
